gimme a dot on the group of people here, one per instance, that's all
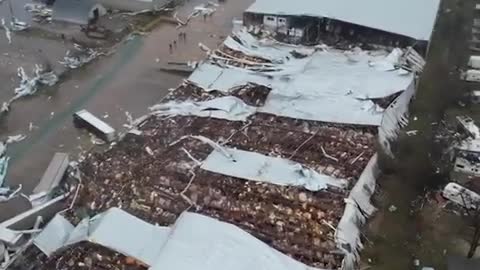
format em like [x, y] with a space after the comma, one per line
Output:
[182, 36]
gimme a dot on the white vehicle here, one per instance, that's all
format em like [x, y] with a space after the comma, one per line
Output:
[88, 121]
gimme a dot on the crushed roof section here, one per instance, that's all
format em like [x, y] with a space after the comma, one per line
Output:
[410, 18]
[307, 83]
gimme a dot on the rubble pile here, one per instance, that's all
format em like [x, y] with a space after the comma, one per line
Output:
[252, 94]
[156, 176]
[238, 54]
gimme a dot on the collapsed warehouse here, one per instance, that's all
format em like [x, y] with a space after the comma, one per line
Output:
[263, 136]
[266, 151]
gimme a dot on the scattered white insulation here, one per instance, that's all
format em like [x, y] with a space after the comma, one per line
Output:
[257, 167]
[461, 196]
[358, 209]
[8, 33]
[79, 57]
[193, 242]
[394, 118]
[229, 108]
[13, 26]
[29, 85]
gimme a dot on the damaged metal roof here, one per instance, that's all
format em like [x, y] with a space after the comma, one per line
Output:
[193, 242]
[257, 167]
[410, 18]
[307, 83]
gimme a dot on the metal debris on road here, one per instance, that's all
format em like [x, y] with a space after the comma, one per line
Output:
[79, 57]
[29, 85]
[13, 26]
[8, 33]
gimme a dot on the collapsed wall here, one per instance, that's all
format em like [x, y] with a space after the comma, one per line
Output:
[395, 118]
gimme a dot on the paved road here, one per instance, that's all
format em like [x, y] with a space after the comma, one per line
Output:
[129, 80]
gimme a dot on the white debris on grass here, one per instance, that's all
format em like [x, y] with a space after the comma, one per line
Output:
[275, 170]
[229, 108]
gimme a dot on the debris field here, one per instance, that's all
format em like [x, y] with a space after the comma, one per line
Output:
[156, 177]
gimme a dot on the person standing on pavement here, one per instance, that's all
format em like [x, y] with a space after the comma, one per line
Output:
[170, 47]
